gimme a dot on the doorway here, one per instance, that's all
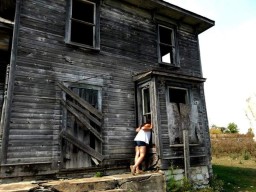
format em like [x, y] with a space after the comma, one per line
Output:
[6, 30]
[145, 105]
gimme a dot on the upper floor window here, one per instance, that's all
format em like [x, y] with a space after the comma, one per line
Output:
[167, 46]
[82, 27]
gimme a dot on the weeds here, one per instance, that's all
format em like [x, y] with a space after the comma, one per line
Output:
[98, 174]
[246, 155]
[185, 185]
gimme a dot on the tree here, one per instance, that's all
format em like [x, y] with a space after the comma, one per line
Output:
[232, 127]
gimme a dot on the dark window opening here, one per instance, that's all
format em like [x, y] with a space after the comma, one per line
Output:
[166, 35]
[82, 27]
[81, 33]
[146, 107]
[177, 95]
[83, 11]
[166, 45]
[5, 44]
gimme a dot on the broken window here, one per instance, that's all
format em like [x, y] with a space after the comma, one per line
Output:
[82, 24]
[167, 49]
[177, 95]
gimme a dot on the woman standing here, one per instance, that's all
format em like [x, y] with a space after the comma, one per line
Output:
[141, 141]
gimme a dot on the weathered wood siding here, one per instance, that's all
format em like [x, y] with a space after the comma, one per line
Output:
[128, 46]
[197, 129]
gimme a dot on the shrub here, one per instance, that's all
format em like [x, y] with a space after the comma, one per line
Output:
[98, 174]
[216, 184]
[246, 155]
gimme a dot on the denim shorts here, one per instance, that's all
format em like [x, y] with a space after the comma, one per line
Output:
[140, 143]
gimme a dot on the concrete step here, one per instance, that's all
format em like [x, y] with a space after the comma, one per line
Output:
[153, 182]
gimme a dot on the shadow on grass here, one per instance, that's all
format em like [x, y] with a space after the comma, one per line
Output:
[236, 178]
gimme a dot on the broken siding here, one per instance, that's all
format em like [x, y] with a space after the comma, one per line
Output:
[189, 53]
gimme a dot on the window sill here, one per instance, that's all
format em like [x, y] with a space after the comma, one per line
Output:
[83, 47]
[174, 66]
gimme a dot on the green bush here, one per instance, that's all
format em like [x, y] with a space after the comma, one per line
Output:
[216, 184]
[98, 174]
[246, 155]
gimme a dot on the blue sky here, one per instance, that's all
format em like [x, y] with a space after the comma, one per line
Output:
[228, 55]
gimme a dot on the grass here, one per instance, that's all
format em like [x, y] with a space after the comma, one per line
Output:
[238, 175]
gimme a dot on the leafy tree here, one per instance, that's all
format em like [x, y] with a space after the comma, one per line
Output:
[232, 127]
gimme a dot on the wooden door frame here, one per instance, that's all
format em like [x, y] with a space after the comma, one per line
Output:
[155, 114]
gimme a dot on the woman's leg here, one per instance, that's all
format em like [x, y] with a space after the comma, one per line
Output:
[142, 152]
[137, 154]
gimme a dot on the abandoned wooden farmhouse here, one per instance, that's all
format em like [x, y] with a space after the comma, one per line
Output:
[78, 76]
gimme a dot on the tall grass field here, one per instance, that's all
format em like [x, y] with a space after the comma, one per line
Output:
[234, 161]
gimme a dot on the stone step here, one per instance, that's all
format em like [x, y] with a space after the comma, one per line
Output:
[153, 182]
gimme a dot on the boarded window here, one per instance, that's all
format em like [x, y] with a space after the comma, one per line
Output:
[91, 95]
[82, 24]
[167, 49]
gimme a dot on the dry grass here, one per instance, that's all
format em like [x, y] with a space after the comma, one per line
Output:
[234, 162]
[233, 145]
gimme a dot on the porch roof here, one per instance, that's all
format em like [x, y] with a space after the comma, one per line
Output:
[160, 7]
[167, 74]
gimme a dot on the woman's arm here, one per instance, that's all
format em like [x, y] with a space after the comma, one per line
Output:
[138, 129]
[147, 126]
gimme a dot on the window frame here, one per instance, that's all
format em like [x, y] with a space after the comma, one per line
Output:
[145, 100]
[173, 46]
[95, 25]
[187, 99]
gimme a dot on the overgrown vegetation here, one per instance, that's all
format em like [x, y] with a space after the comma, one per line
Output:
[233, 145]
[99, 174]
[234, 160]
